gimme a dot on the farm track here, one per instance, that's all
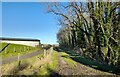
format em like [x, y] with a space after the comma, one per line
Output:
[21, 57]
[80, 69]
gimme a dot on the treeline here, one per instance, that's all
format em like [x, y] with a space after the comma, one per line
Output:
[92, 27]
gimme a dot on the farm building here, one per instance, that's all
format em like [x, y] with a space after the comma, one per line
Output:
[29, 42]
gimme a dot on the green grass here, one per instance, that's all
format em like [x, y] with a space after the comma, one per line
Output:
[51, 67]
[32, 64]
[12, 68]
[29, 66]
[68, 60]
[91, 63]
[15, 49]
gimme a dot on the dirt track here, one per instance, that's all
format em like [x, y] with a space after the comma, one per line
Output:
[80, 69]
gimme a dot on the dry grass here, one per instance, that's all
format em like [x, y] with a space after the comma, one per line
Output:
[35, 66]
[28, 66]
[6, 69]
[43, 60]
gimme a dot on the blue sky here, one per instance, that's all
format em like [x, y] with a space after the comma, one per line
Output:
[29, 20]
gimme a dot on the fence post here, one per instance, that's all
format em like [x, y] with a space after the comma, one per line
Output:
[44, 53]
[14, 49]
[19, 61]
[51, 50]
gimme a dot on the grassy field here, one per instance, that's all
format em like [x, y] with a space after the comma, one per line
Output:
[42, 64]
[8, 50]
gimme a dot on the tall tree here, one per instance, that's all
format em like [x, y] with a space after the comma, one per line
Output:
[92, 26]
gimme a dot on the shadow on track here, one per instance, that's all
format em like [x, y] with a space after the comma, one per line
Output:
[89, 62]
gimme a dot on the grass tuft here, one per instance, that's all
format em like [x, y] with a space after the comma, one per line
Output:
[68, 60]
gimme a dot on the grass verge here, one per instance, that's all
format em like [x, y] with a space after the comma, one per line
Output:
[91, 63]
[68, 60]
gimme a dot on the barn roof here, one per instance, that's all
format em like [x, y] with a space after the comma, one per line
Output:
[18, 39]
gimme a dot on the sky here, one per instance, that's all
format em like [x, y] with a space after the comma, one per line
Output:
[29, 20]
